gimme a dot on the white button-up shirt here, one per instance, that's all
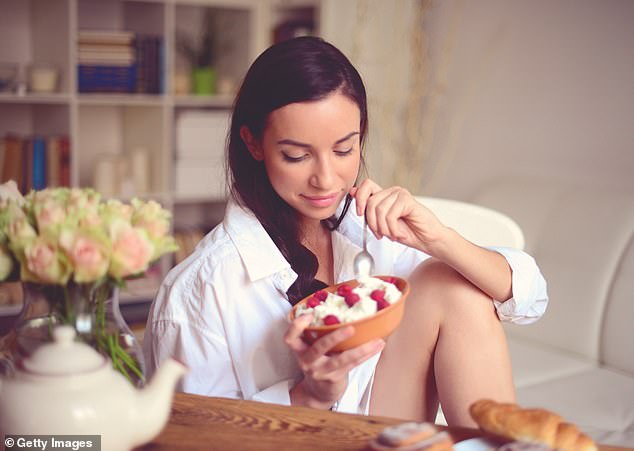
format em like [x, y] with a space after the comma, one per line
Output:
[224, 310]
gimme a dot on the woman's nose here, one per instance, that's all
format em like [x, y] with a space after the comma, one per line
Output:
[323, 174]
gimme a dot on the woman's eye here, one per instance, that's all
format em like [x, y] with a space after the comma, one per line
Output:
[292, 159]
[343, 153]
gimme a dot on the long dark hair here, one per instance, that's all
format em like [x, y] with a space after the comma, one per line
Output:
[298, 70]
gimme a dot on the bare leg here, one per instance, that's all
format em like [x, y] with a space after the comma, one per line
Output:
[450, 347]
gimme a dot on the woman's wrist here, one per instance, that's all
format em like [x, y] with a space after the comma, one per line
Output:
[440, 245]
[301, 397]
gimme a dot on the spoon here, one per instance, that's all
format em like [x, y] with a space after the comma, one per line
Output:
[363, 262]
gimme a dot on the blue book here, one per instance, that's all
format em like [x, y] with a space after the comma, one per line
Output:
[39, 163]
[107, 78]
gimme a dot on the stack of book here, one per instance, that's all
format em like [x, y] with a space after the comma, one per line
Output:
[119, 62]
[35, 162]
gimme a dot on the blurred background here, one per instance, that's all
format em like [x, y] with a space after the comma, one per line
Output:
[133, 96]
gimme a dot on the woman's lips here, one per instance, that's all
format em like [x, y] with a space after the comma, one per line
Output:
[321, 201]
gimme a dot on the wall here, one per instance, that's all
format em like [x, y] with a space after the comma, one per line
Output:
[517, 88]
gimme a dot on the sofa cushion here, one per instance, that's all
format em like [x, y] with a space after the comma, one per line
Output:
[618, 322]
[599, 400]
[536, 363]
[577, 234]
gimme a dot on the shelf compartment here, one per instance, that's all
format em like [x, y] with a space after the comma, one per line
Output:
[38, 31]
[110, 138]
[232, 33]
[136, 16]
[109, 61]
[34, 119]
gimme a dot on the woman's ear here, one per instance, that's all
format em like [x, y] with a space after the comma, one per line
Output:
[251, 143]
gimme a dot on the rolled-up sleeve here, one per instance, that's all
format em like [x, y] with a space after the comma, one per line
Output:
[530, 296]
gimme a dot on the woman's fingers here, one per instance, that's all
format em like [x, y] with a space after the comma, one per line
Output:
[345, 361]
[401, 208]
[362, 193]
[293, 335]
[383, 205]
[322, 346]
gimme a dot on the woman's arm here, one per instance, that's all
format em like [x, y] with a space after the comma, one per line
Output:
[394, 213]
[488, 270]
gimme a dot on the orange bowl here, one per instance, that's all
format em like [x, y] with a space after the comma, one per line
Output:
[379, 325]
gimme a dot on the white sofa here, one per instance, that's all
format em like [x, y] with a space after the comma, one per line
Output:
[578, 360]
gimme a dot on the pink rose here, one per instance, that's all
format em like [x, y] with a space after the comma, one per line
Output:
[132, 251]
[51, 213]
[45, 263]
[87, 255]
[20, 231]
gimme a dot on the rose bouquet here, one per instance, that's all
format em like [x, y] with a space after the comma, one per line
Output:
[74, 246]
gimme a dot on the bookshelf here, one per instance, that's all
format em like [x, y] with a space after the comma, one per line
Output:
[110, 128]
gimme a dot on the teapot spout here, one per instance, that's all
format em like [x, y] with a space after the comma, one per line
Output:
[154, 402]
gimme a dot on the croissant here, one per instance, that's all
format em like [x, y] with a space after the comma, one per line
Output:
[531, 425]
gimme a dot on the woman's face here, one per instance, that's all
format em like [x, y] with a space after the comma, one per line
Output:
[312, 152]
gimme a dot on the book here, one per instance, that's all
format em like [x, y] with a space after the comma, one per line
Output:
[64, 166]
[105, 48]
[103, 78]
[104, 37]
[53, 161]
[27, 165]
[38, 168]
[118, 59]
[12, 164]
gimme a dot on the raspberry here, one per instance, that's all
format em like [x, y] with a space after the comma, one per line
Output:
[321, 295]
[378, 295]
[329, 320]
[344, 290]
[313, 302]
[381, 304]
[351, 299]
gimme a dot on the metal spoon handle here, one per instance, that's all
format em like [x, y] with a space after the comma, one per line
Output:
[365, 234]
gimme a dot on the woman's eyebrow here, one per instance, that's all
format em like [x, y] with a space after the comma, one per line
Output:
[292, 142]
[346, 138]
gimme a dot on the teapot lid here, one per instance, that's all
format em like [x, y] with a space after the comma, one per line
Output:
[63, 356]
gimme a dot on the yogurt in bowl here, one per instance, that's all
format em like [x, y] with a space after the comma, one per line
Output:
[372, 305]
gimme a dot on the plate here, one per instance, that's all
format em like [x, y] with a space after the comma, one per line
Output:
[475, 444]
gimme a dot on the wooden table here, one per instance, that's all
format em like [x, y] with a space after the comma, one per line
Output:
[203, 423]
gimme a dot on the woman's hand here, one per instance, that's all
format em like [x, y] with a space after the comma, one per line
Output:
[325, 376]
[394, 213]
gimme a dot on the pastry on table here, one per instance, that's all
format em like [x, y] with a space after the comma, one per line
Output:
[529, 425]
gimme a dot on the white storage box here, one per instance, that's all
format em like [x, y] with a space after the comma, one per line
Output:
[201, 133]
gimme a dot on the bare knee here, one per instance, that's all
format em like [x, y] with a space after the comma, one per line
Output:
[445, 290]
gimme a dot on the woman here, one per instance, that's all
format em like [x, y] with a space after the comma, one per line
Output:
[293, 224]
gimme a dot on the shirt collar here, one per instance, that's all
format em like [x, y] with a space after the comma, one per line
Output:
[262, 258]
[258, 252]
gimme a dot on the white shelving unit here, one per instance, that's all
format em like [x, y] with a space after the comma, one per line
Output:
[45, 32]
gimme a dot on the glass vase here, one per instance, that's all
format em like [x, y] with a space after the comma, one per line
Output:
[92, 309]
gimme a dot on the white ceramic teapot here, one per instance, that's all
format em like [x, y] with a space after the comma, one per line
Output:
[66, 387]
